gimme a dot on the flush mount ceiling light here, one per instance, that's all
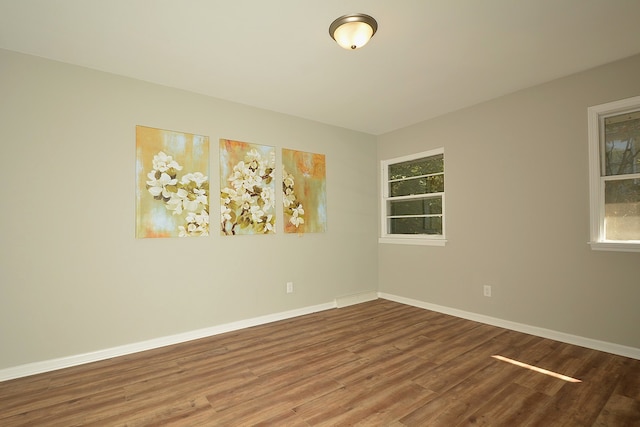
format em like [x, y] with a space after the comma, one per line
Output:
[353, 31]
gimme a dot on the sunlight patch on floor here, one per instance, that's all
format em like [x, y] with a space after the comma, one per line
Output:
[536, 369]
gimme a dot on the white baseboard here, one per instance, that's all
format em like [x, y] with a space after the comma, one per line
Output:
[353, 299]
[607, 347]
[80, 359]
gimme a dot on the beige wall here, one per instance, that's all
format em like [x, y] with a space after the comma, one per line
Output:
[517, 213]
[73, 277]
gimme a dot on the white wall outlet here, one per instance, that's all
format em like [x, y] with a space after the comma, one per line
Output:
[289, 287]
[487, 290]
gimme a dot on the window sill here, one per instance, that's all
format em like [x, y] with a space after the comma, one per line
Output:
[615, 246]
[412, 241]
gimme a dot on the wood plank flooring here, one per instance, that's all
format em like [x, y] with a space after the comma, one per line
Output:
[374, 364]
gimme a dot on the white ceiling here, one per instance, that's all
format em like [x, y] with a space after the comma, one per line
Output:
[428, 58]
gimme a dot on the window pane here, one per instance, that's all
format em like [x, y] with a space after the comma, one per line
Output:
[622, 209]
[424, 166]
[426, 206]
[622, 144]
[425, 225]
[424, 185]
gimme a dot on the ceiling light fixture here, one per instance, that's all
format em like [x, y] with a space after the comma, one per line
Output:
[353, 31]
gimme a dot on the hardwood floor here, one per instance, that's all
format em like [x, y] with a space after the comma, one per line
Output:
[374, 364]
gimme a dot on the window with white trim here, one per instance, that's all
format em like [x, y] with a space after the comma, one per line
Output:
[614, 175]
[413, 199]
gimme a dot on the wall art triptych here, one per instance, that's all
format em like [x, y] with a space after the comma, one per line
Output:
[172, 197]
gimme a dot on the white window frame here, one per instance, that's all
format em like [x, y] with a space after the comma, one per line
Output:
[408, 239]
[596, 116]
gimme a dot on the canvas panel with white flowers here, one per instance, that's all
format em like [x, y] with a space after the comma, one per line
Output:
[247, 188]
[172, 169]
[304, 192]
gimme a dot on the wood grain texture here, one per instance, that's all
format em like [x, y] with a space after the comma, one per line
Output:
[380, 363]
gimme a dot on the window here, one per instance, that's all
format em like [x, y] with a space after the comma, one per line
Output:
[413, 199]
[614, 168]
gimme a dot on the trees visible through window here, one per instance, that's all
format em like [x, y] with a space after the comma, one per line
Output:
[413, 199]
[614, 137]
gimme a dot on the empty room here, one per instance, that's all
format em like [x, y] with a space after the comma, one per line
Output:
[320, 213]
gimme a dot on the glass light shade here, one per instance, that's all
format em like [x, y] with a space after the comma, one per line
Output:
[353, 35]
[353, 31]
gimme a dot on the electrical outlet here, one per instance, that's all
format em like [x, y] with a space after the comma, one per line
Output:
[487, 290]
[289, 287]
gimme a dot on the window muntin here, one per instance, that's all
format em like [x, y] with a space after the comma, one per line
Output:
[614, 147]
[413, 199]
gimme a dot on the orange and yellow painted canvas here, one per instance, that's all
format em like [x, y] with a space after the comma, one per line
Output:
[247, 188]
[304, 192]
[172, 170]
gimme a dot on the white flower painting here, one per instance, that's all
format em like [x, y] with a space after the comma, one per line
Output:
[304, 192]
[247, 188]
[173, 184]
